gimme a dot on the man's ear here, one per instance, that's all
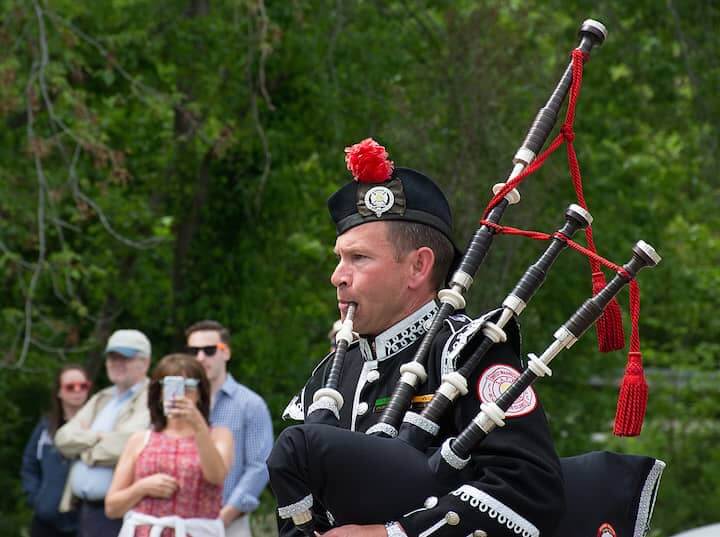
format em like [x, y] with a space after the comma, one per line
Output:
[421, 267]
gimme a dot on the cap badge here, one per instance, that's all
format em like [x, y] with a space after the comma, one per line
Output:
[379, 200]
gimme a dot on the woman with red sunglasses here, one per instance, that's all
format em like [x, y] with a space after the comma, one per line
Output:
[44, 470]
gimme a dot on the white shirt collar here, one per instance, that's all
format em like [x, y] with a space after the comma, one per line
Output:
[127, 394]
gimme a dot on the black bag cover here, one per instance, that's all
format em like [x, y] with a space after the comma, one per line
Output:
[609, 494]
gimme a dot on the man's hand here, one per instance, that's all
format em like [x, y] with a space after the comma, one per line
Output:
[228, 514]
[354, 530]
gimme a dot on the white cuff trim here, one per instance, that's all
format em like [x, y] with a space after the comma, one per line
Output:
[394, 529]
[296, 508]
[420, 422]
[385, 428]
[449, 456]
[496, 510]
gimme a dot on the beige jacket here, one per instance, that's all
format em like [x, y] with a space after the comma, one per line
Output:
[76, 440]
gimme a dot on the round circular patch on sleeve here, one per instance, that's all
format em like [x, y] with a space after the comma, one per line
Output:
[498, 378]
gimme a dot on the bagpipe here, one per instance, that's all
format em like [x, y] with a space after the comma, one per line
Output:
[308, 459]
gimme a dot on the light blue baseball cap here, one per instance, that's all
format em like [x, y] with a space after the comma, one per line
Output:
[129, 343]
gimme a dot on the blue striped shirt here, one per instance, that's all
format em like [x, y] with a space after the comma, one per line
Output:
[247, 416]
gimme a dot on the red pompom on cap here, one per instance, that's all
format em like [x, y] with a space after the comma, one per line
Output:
[368, 162]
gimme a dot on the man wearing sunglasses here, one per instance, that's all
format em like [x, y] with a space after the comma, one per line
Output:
[243, 412]
[97, 434]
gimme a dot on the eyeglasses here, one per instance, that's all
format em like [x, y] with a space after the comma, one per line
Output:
[76, 386]
[208, 350]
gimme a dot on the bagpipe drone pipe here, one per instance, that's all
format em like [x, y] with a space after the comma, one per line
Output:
[310, 461]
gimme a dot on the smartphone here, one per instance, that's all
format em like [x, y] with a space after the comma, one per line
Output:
[173, 388]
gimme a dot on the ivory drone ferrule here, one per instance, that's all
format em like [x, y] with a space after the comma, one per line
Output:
[565, 336]
[461, 281]
[453, 297]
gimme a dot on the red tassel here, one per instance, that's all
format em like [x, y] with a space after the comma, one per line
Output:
[609, 326]
[632, 401]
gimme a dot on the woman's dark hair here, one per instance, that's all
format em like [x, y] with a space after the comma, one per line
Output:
[182, 365]
[56, 418]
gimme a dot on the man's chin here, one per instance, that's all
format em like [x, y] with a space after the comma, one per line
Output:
[361, 328]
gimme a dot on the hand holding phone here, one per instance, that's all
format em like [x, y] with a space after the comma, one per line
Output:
[173, 388]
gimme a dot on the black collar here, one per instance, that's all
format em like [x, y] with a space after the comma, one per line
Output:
[399, 336]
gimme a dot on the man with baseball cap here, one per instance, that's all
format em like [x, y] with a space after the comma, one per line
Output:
[96, 436]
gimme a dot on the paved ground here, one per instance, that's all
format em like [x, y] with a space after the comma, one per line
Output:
[713, 530]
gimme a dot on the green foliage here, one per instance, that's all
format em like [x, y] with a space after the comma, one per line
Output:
[163, 162]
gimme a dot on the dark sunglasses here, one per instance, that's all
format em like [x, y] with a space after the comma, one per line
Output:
[208, 350]
[76, 386]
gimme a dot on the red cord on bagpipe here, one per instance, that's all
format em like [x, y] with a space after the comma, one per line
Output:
[633, 396]
[609, 326]
[632, 399]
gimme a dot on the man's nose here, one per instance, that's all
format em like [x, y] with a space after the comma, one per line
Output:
[341, 275]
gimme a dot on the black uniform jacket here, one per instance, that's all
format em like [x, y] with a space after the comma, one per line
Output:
[515, 488]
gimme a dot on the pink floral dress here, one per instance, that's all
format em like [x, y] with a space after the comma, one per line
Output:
[178, 457]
